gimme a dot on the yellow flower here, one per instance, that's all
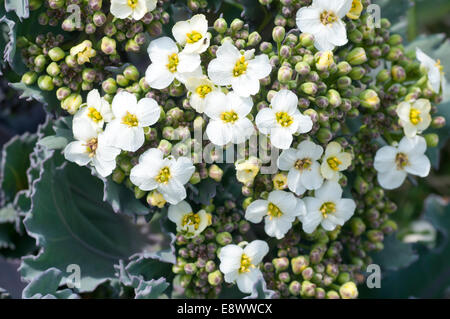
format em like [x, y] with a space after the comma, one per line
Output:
[155, 198]
[356, 10]
[83, 52]
[280, 181]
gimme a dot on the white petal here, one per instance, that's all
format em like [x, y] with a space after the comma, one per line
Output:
[280, 138]
[256, 211]
[76, 152]
[147, 112]
[122, 103]
[230, 258]
[173, 192]
[337, 33]
[308, 149]
[305, 123]
[311, 221]
[141, 177]
[241, 105]
[287, 159]
[259, 67]
[188, 62]
[245, 85]
[139, 11]
[218, 133]
[179, 31]
[158, 76]
[246, 281]
[284, 101]
[385, 159]
[345, 208]
[242, 130]
[391, 179]
[183, 169]
[256, 251]
[294, 182]
[285, 201]
[265, 120]
[277, 227]
[160, 49]
[124, 137]
[418, 165]
[312, 178]
[330, 191]
[120, 9]
[177, 212]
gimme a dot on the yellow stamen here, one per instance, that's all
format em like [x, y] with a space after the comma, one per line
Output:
[173, 62]
[193, 37]
[191, 219]
[130, 120]
[401, 159]
[327, 208]
[133, 3]
[328, 17]
[439, 66]
[164, 175]
[414, 116]
[284, 119]
[302, 164]
[334, 163]
[356, 9]
[280, 181]
[274, 211]
[94, 115]
[203, 90]
[240, 67]
[229, 117]
[246, 263]
[91, 147]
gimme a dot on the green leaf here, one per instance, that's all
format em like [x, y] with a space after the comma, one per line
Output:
[7, 40]
[45, 286]
[53, 142]
[395, 255]
[20, 7]
[428, 277]
[14, 164]
[72, 225]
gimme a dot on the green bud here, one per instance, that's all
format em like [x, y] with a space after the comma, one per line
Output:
[53, 69]
[357, 73]
[343, 277]
[45, 83]
[395, 39]
[40, 62]
[266, 47]
[398, 73]
[236, 25]
[324, 135]
[343, 68]
[438, 122]
[295, 288]
[224, 238]
[215, 278]
[355, 36]
[383, 76]
[432, 139]
[125, 164]
[278, 34]
[334, 98]
[56, 54]
[280, 264]
[215, 172]
[285, 74]
[348, 290]
[108, 46]
[122, 80]
[165, 146]
[299, 263]
[369, 99]
[254, 39]
[220, 25]
[309, 88]
[109, 86]
[302, 68]
[308, 289]
[331, 294]
[357, 56]
[138, 193]
[306, 39]
[62, 93]
[118, 176]
[35, 4]
[29, 78]
[72, 103]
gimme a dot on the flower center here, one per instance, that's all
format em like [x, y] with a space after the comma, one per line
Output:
[91, 147]
[414, 116]
[173, 62]
[130, 120]
[240, 67]
[334, 163]
[133, 3]
[246, 263]
[229, 117]
[94, 115]
[284, 119]
[439, 66]
[302, 164]
[193, 37]
[280, 181]
[401, 159]
[191, 219]
[273, 211]
[328, 17]
[164, 175]
[327, 208]
[203, 90]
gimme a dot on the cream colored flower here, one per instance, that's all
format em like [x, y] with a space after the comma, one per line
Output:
[135, 9]
[189, 224]
[192, 34]
[334, 161]
[199, 88]
[83, 52]
[246, 170]
[414, 117]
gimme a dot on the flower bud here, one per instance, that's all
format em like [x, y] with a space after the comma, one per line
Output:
[355, 36]
[308, 289]
[278, 34]
[215, 278]
[154, 28]
[309, 88]
[29, 78]
[343, 68]
[132, 46]
[254, 39]
[220, 25]
[306, 39]
[224, 238]
[236, 25]
[298, 264]
[62, 93]
[357, 73]
[348, 290]
[72, 103]
[438, 122]
[280, 264]
[266, 47]
[156, 199]
[398, 73]
[295, 288]
[215, 172]
[369, 99]
[324, 60]
[334, 98]
[56, 54]
[45, 83]
[108, 46]
[324, 135]
[165, 146]
[432, 139]
[99, 18]
[109, 86]
[383, 76]
[357, 56]
[53, 69]
[285, 74]
[331, 294]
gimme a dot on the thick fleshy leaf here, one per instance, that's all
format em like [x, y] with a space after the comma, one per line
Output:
[45, 286]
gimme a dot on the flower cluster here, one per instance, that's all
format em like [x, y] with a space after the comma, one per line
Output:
[305, 220]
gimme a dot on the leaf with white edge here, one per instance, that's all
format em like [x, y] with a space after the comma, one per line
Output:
[8, 215]
[14, 164]
[260, 291]
[20, 7]
[53, 142]
[7, 40]
[46, 285]
[72, 225]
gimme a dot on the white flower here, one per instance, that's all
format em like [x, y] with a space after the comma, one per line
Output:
[327, 208]
[97, 111]
[91, 147]
[303, 166]
[188, 223]
[135, 9]
[414, 117]
[240, 265]
[228, 121]
[127, 129]
[323, 20]
[240, 70]
[246, 170]
[283, 119]
[199, 88]
[393, 164]
[334, 161]
[434, 69]
[168, 64]
[192, 34]
[167, 175]
[280, 211]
